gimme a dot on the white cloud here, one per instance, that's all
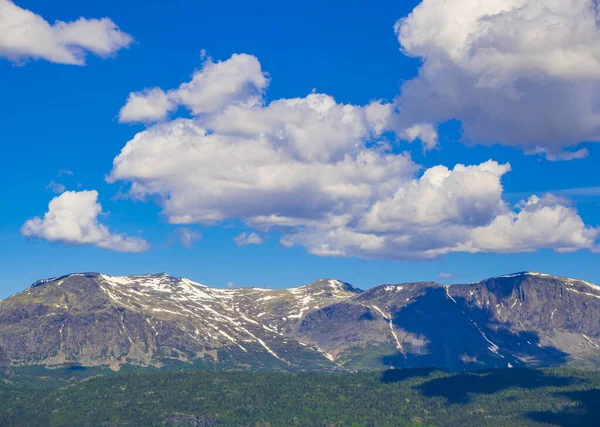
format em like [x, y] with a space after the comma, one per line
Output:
[147, 106]
[582, 153]
[56, 187]
[237, 81]
[314, 128]
[535, 224]
[523, 73]
[244, 239]
[466, 195]
[205, 176]
[188, 236]
[425, 132]
[317, 171]
[24, 35]
[72, 218]
[546, 222]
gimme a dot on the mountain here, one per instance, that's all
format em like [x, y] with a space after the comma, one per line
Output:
[523, 319]
[95, 319]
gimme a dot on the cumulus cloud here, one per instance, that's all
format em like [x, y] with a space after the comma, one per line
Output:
[538, 222]
[204, 176]
[72, 218]
[24, 35]
[534, 224]
[237, 81]
[314, 128]
[425, 132]
[466, 195]
[244, 239]
[150, 105]
[319, 172]
[524, 73]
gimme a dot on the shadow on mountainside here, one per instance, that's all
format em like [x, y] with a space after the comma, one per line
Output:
[585, 413]
[397, 375]
[459, 388]
[451, 334]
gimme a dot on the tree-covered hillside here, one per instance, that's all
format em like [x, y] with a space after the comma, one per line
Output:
[511, 397]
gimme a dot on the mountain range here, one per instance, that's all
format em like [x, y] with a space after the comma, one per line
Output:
[518, 320]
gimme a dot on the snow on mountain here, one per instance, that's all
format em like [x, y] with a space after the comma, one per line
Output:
[521, 319]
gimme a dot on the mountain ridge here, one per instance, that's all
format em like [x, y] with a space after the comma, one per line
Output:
[520, 319]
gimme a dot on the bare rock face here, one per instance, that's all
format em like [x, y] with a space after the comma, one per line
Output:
[523, 319]
[540, 318]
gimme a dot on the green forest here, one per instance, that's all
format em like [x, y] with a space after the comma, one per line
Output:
[76, 396]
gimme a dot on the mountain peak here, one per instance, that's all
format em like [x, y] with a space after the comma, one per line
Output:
[523, 273]
[58, 278]
[568, 280]
[328, 285]
[160, 281]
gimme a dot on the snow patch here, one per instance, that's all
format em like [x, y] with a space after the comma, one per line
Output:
[493, 347]
[589, 340]
[389, 318]
[583, 293]
[116, 280]
[447, 287]
[577, 281]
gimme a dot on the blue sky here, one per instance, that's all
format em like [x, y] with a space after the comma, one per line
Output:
[65, 117]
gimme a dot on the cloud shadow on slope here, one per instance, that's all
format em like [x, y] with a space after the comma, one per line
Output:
[461, 337]
[397, 375]
[460, 387]
[586, 413]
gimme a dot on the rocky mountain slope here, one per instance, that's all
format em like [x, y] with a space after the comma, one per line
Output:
[523, 319]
